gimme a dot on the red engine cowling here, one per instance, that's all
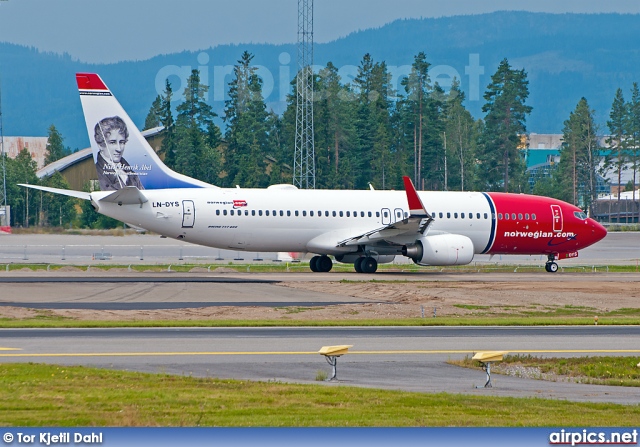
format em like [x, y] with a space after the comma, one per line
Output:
[441, 249]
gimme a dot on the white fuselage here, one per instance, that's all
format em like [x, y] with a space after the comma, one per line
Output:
[286, 219]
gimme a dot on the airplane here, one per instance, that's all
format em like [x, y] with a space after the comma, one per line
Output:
[360, 227]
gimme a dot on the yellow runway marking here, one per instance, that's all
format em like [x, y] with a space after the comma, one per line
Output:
[10, 349]
[168, 354]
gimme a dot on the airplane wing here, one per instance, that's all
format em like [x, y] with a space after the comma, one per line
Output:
[417, 223]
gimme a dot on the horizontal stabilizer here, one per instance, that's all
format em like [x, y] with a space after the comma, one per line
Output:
[129, 195]
[64, 192]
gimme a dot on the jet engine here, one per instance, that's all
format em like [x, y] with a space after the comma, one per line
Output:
[441, 249]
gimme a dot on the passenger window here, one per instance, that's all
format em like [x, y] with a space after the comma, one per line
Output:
[231, 212]
[448, 215]
[478, 215]
[253, 212]
[519, 216]
[499, 216]
[440, 215]
[246, 212]
[506, 216]
[348, 213]
[266, 212]
[260, 213]
[377, 213]
[461, 215]
[513, 216]
[326, 214]
[533, 216]
[385, 214]
[311, 213]
[281, 213]
[526, 216]
[217, 212]
[334, 214]
[361, 213]
[296, 213]
[340, 213]
[224, 212]
[455, 215]
[369, 213]
[288, 213]
[406, 215]
[470, 215]
[304, 214]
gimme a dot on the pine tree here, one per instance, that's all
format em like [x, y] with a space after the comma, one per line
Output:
[23, 201]
[633, 123]
[618, 140]
[246, 134]
[418, 88]
[579, 156]
[336, 138]
[154, 117]
[168, 148]
[461, 133]
[194, 131]
[502, 161]
[55, 149]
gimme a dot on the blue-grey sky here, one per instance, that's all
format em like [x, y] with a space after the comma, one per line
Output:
[115, 30]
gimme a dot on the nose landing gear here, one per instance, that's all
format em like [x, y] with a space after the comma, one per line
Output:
[551, 265]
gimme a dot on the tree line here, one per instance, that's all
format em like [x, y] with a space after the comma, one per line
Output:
[366, 134]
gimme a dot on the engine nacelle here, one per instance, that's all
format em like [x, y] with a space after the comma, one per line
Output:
[350, 258]
[441, 249]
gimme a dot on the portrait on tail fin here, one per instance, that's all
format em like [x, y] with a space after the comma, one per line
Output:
[114, 172]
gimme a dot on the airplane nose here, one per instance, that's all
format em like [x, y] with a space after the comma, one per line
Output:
[597, 230]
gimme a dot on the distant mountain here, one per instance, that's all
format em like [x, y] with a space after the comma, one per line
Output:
[566, 56]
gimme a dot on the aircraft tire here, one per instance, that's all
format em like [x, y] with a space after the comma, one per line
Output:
[553, 267]
[358, 265]
[369, 265]
[324, 264]
[313, 263]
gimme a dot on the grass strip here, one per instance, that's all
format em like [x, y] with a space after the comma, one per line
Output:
[598, 370]
[55, 322]
[71, 396]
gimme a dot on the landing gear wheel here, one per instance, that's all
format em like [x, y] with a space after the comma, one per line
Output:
[324, 264]
[552, 267]
[369, 265]
[358, 265]
[313, 264]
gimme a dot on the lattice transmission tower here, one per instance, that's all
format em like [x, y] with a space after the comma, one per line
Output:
[4, 216]
[304, 165]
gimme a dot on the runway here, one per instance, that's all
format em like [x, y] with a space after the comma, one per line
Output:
[412, 359]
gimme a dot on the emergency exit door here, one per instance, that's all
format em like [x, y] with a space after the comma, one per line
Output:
[188, 214]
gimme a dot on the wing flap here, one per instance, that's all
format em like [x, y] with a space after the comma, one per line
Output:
[417, 223]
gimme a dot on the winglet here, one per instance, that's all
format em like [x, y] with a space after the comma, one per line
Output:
[416, 208]
[90, 81]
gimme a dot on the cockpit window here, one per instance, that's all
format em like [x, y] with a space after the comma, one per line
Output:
[580, 215]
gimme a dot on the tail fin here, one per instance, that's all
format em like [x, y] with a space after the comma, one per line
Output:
[123, 157]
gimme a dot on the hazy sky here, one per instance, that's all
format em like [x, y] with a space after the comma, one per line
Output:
[109, 31]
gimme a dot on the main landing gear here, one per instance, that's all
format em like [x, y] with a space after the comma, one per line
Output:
[366, 265]
[321, 264]
[551, 266]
